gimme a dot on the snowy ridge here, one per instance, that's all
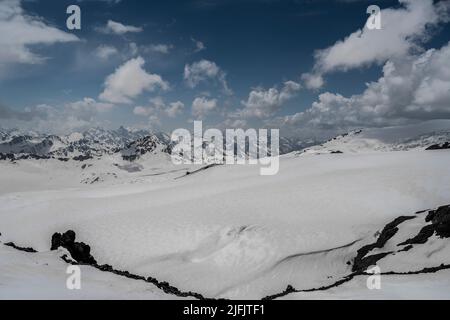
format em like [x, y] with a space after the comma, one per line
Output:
[410, 257]
[400, 138]
[143, 146]
[98, 142]
[94, 142]
[409, 245]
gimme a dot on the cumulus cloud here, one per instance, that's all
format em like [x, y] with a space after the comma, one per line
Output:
[403, 31]
[174, 109]
[20, 31]
[142, 111]
[313, 81]
[411, 89]
[201, 106]
[104, 52]
[205, 70]
[113, 27]
[158, 107]
[90, 105]
[263, 103]
[233, 124]
[129, 81]
[160, 48]
[62, 119]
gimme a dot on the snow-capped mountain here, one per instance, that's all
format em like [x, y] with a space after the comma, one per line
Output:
[25, 144]
[400, 138]
[99, 141]
[131, 144]
[142, 146]
[94, 142]
[290, 144]
[4, 135]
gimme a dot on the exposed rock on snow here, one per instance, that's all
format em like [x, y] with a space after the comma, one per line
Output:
[442, 146]
[43, 276]
[138, 148]
[423, 236]
[79, 251]
[440, 226]
[362, 261]
[13, 245]
[440, 220]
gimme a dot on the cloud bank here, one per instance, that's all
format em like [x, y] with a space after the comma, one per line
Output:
[19, 31]
[411, 89]
[403, 31]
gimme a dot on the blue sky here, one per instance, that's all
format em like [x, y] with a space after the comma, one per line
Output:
[229, 63]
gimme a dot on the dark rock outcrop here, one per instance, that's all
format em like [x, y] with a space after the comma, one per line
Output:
[442, 146]
[440, 224]
[422, 237]
[361, 262]
[79, 251]
[8, 156]
[82, 158]
[12, 245]
[441, 221]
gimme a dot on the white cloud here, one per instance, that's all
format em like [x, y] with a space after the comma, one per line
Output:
[19, 31]
[160, 48]
[129, 81]
[159, 107]
[234, 124]
[174, 109]
[154, 121]
[119, 28]
[411, 89]
[89, 104]
[143, 111]
[157, 103]
[264, 103]
[403, 30]
[104, 52]
[108, 1]
[313, 81]
[205, 70]
[201, 106]
[134, 49]
[63, 119]
[150, 113]
[199, 46]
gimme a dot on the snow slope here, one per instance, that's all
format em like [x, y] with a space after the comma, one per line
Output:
[410, 137]
[43, 276]
[227, 231]
[393, 287]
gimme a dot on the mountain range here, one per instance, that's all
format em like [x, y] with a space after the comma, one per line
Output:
[133, 143]
[97, 142]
